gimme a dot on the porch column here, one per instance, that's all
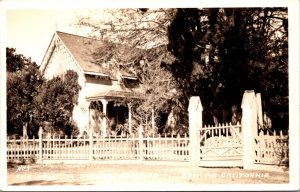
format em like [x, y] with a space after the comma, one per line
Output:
[103, 122]
[129, 119]
[89, 110]
[87, 116]
[104, 106]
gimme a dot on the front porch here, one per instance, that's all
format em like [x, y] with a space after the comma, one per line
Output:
[110, 113]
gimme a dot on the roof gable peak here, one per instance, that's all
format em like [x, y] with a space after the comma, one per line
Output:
[59, 33]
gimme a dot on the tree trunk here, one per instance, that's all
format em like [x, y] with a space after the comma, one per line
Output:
[25, 130]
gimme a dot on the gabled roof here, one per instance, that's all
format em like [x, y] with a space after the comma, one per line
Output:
[84, 50]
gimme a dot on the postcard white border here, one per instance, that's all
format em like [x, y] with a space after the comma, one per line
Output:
[293, 16]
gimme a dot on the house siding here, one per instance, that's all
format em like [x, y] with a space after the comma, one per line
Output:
[59, 60]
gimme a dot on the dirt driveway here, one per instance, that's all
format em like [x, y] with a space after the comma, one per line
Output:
[132, 174]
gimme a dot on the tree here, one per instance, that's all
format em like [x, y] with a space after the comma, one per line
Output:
[158, 86]
[221, 52]
[134, 27]
[16, 62]
[32, 100]
[23, 82]
[56, 100]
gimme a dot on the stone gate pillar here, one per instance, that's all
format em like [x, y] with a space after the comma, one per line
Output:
[195, 123]
[249, 128]
[259, 112]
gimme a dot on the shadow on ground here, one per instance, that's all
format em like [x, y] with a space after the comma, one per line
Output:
[45, 182]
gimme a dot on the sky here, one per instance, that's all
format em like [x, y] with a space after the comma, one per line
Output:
[30, 30]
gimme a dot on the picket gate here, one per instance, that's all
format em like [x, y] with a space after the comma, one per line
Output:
[221, 146]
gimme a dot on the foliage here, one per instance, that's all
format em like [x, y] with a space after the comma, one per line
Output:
[219, 53]
[23, 82]
[133, 27]
[56, 100]
[16, 62]
[222, 52]
[32, 100]
[157, 84]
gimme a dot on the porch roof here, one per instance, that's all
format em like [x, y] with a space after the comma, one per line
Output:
[113, 94]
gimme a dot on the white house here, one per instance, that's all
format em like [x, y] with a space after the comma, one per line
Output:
[102, 84]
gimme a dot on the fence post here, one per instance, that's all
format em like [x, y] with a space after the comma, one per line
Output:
[91, 142]
[140, 130]
[195, 123]
[40, 145]
[249, 127]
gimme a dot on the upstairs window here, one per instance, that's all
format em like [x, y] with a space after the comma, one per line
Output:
[130, 82]
[97, 78]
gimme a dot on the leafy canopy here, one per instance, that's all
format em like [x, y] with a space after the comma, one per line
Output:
[218, 53]
[222, 52]
[32, 100]
[23, 82]
[56, 100]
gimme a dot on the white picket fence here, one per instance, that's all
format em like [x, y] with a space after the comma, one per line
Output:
[217, 144]
[97, 148]
[22, 149]
[272, 148]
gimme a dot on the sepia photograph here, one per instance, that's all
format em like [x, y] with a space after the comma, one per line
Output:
[140, 96]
